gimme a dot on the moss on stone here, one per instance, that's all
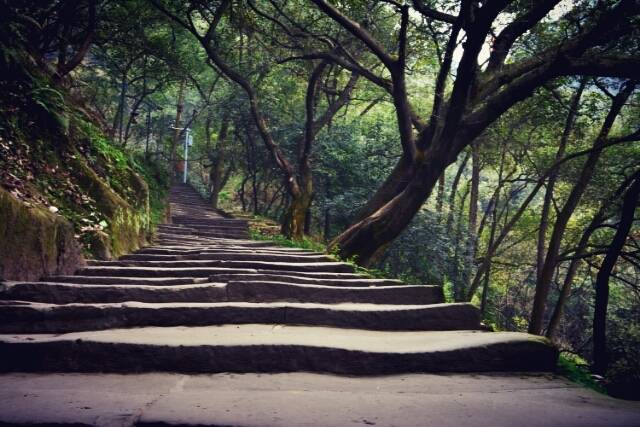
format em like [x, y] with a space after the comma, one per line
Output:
[35, 242]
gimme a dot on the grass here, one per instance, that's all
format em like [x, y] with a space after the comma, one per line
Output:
[576, 369]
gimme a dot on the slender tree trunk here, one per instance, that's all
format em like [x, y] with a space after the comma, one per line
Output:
[440, 196]
[629, 204]
[543, 285]
[472, 239]
[556, 316]
[458, 271]
[581, 247]
[487, 274]
[454, 190]
[548, 195]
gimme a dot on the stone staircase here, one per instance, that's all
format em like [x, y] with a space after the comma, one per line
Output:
[205, 298]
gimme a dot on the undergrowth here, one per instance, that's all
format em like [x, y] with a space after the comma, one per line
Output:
[576, 369]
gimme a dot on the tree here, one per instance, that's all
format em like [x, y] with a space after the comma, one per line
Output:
[297, 177]
[478, 95]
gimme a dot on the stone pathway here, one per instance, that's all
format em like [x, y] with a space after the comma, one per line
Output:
[207, 299]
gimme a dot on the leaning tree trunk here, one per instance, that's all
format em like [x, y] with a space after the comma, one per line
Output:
[366, 239]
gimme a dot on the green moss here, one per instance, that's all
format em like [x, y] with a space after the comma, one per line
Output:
[35, 242]
[59, 157]
[576, 369]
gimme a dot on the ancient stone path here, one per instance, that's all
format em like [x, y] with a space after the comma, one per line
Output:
[159, 337]
[206, 298]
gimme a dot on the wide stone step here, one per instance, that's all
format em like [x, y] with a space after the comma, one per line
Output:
[177, 230]
[221, 243]
[201, 235]
[124, 280]
[269, 348]
[20, 317]
[225, 249]
[159, 272]
[229, 256]
[258, 292]
[298, 279]
[68, 293]
[194, 272]
[331, 267]
[289, 292]
[177, 220]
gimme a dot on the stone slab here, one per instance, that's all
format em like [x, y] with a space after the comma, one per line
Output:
[303, 399]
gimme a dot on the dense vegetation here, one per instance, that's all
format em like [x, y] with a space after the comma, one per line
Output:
[486, 146]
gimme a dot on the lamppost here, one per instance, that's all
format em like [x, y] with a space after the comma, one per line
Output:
[188, 141]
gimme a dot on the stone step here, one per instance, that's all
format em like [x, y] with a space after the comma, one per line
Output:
[33, 317]
[158, 272]
[224, 249]
[210, 272]
[124, 280]
[298, 279]
[290, 292]
[229, 256]
[238, 291]
[69, 293]
[330, 267]
[161, 236]
[270, 348]
[220, 243]
[177, 230]
[187, 221]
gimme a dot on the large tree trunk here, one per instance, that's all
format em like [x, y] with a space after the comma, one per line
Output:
[393, 185]
[629, 205]
[295, 218]
[367, 238]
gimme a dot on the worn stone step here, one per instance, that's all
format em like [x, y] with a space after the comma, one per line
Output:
[20, 317]
[331, 267]
[219, 292]
[195, 272]
[290, 292]
[224, 249]
[176, 220]
[269, 348]
[68, 293]
[229, 256]
[176, 230]
[298, 279]
[124, 280]
[217, 243]
[158, 272]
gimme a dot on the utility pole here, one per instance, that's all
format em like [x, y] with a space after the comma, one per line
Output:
[188, 140]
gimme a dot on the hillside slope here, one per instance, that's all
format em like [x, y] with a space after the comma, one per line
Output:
[66, 192]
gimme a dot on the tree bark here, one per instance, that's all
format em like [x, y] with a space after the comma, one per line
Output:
[629, 204]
